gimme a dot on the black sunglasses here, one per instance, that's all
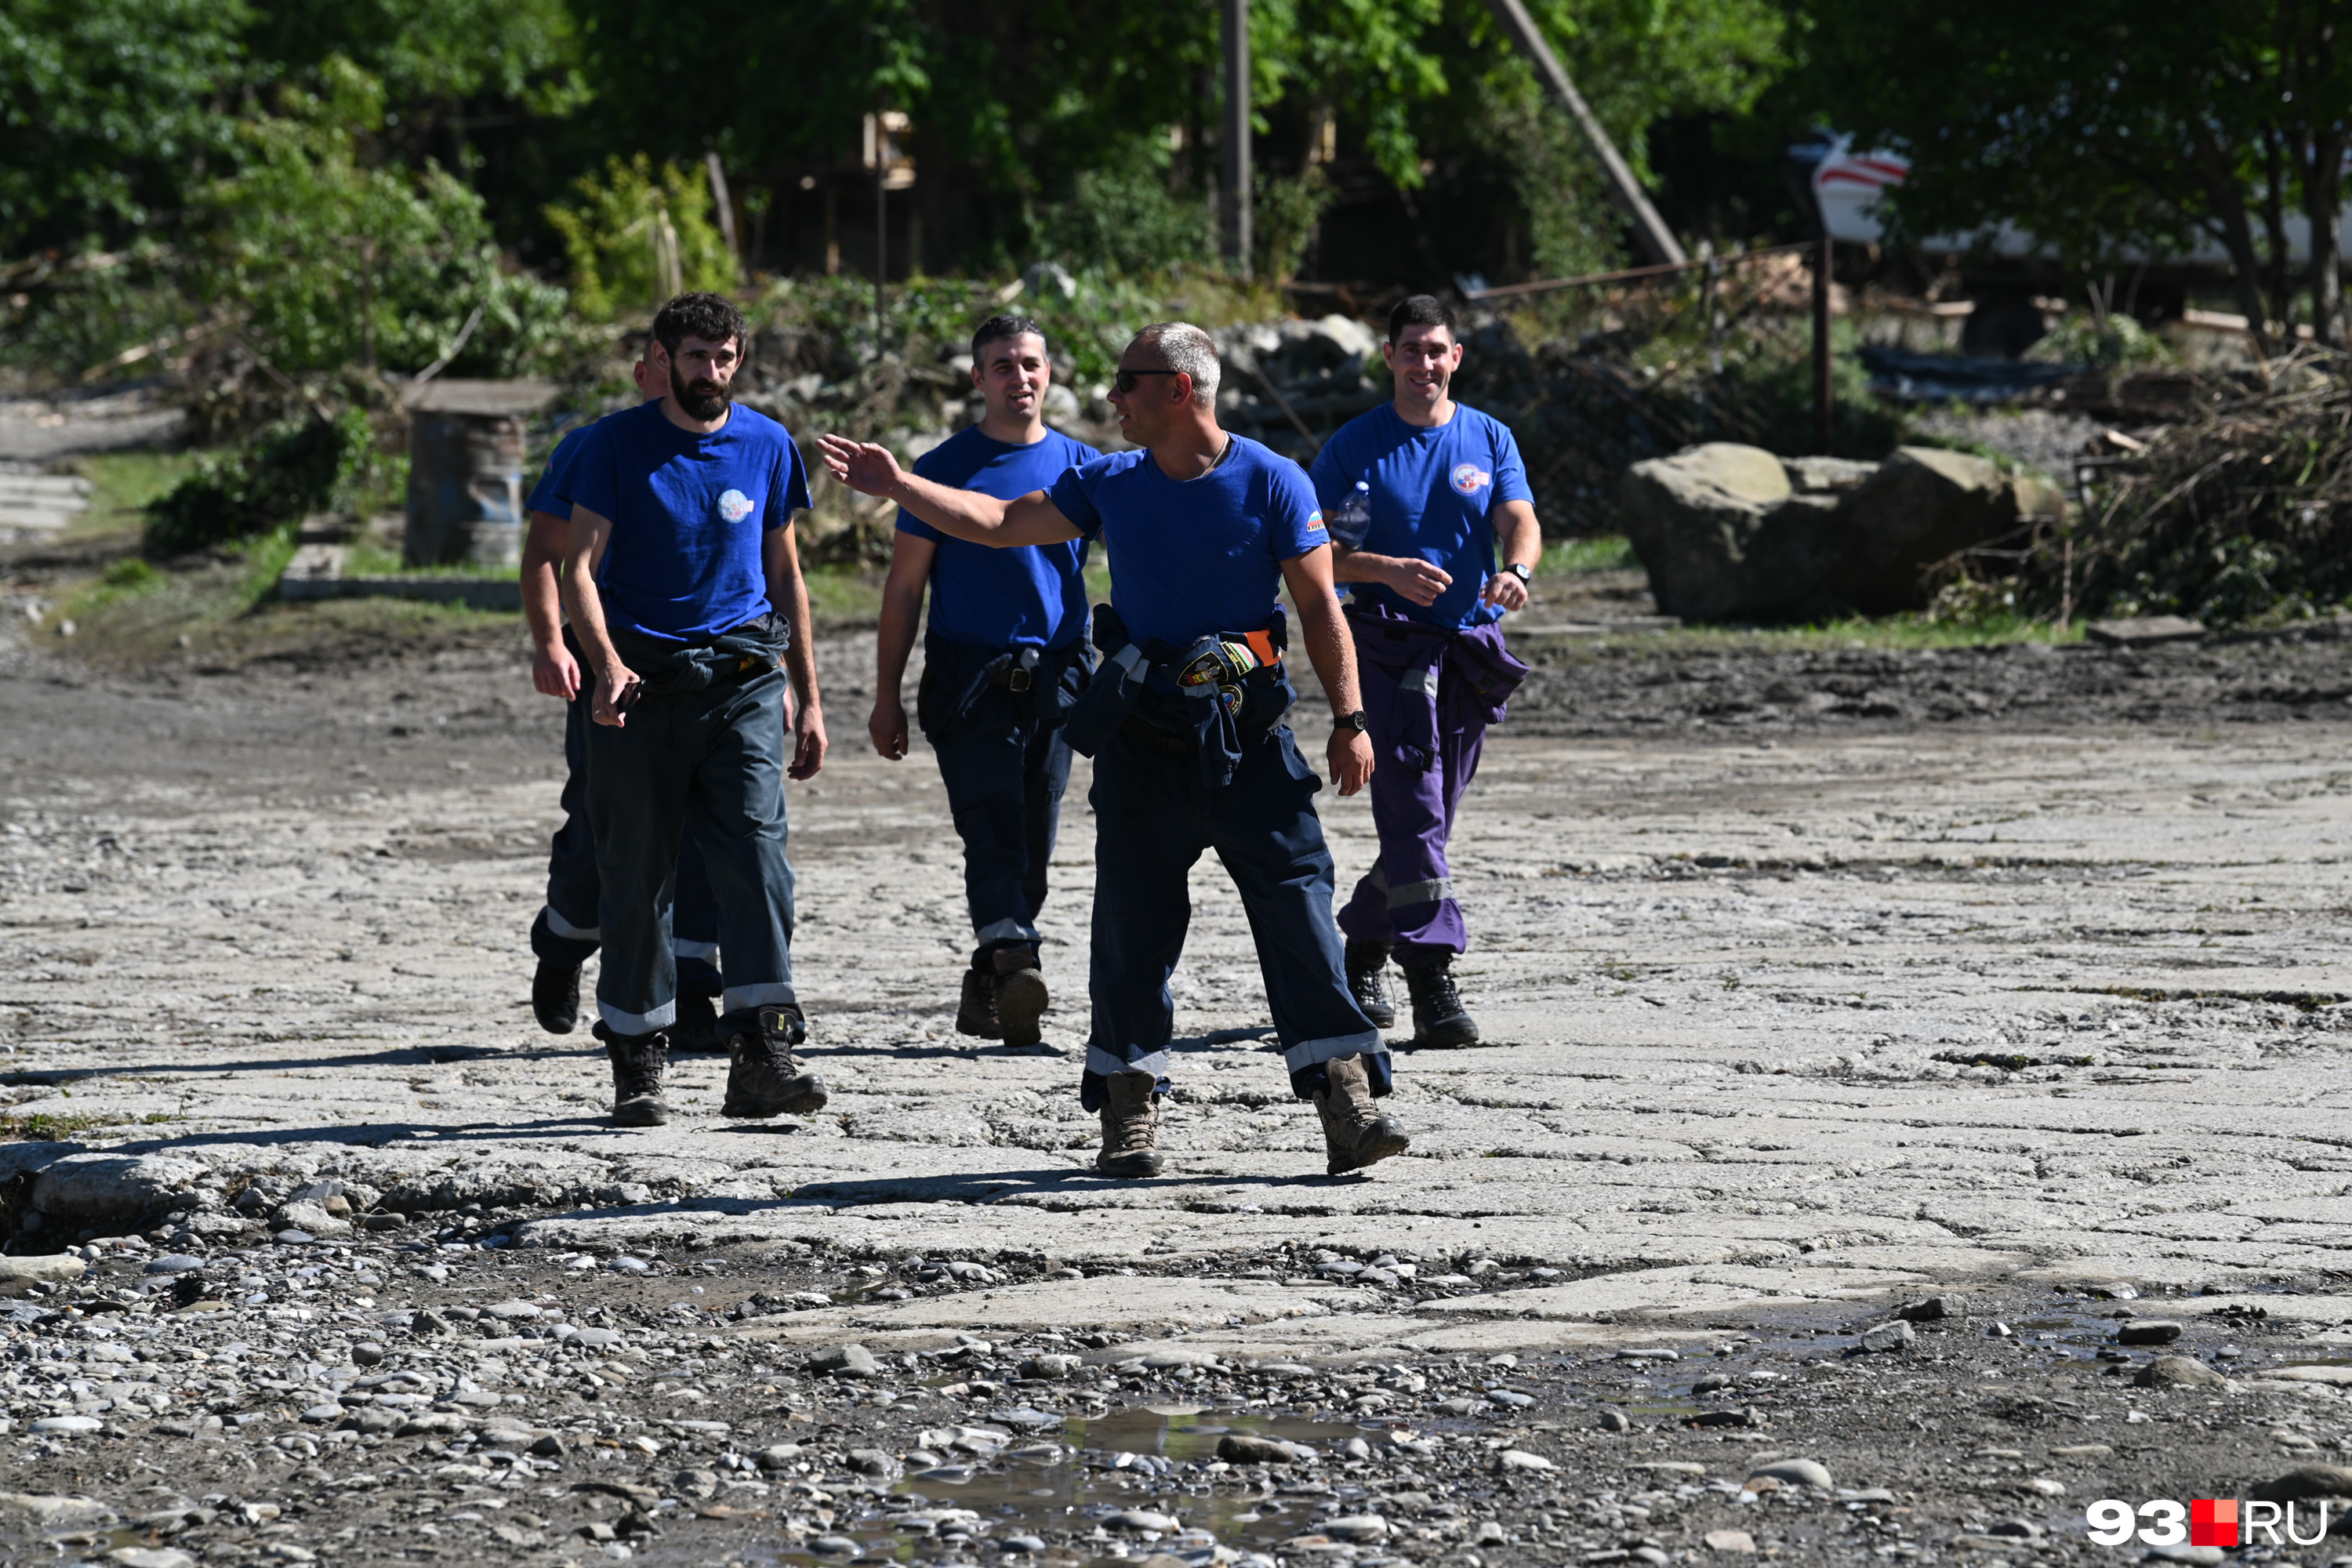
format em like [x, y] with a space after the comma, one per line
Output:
[1126, 379]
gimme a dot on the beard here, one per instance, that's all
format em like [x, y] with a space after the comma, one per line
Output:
[701, 399]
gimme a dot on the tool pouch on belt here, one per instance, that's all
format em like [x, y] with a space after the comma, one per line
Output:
[737, 654]
[1229, 691]
[965, 688]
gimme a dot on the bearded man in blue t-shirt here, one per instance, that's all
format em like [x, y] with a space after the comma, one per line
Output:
[1005, 655]
[686, 598]
[1184, 720]
[1420, 490]
[564, 936]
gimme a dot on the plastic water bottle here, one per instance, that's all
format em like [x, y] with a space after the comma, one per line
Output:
[1353, 519]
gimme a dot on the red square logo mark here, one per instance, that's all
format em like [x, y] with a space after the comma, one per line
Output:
[2213, 1521]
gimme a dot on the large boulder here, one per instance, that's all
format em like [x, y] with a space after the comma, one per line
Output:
[1922, 506]
[1733, 532]
[1725, 535]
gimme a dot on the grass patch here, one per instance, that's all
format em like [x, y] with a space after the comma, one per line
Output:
[1910, 630]
[123, 485]
[49, 1127]
[1609, 552]
[844, 596]
[368, 558]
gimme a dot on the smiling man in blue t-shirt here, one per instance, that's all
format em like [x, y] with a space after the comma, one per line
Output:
[1184, 720]
[1004, 657]
[1426, 489]
[686, 599]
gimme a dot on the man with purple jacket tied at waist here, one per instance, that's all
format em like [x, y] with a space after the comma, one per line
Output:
[1419, 492]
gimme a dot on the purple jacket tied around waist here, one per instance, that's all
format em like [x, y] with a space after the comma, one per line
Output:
[1483, 676]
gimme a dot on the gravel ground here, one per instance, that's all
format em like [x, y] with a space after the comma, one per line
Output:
[429, 1394]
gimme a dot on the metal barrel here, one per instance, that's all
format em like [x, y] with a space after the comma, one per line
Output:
[467, 479]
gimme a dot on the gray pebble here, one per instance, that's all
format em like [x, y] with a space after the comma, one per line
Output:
[2147, 1331]
[174, 1263]
[844, 1360]
[2178, 1372]
[1893, 1336]
[1794, 1473]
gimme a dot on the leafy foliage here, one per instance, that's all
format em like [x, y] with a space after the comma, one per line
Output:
[106, 104]
[292, 469]
[2130, 128]
[639, 238]
[332, 261]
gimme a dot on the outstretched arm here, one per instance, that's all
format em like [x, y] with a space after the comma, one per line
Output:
[1333, 654]
[871, 470]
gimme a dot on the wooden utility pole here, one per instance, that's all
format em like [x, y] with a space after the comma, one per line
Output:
[1825, 408]
[1233, 195]
[1658, 242]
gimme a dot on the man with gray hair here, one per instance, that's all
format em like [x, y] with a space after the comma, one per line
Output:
[1184, 721]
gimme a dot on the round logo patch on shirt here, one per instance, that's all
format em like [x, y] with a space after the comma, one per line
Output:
[735, 506]
[1469, 477]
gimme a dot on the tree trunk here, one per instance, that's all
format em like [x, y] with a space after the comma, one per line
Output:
[2228, 203]
[2317, 101]
[2323, 203]
[2281, 272]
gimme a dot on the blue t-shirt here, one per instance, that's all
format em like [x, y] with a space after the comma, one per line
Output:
[553, 494]
[689, 515]
[1433, 495]
[1198, 556]
[1032, 596]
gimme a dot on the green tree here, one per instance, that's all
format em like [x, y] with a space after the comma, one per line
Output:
[327, 260]
[2131, 127]
[107, 106]
[640, 237]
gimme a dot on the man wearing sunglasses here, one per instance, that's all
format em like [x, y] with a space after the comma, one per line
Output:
[1184, 720]
[1004, 657]
[1422, 491]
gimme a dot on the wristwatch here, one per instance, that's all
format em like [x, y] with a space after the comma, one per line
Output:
[1358, 721]
[1524, 572]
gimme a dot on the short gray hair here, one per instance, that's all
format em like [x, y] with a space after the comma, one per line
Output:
[1182, 346]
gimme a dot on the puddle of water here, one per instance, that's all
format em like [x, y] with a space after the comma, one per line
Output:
[1029, 1495]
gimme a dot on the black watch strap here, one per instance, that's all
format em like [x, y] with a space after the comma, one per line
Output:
[1521, 571]
[1358, 721]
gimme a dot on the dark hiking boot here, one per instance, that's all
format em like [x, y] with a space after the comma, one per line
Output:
[1355, 1133]
[639, 1062]
[1439, 1019]
[765, 1079]
[555, 997]
[1368, 982]
[698, 1027]
[1021, 996]
[976, 1013]
[1130, 1126]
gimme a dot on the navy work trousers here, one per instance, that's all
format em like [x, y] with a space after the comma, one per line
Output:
[705, 767]
[1006, 766]
[1153, 818]
[566, 932]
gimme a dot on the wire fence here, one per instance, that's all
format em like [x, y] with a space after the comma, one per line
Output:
[1596, 374]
